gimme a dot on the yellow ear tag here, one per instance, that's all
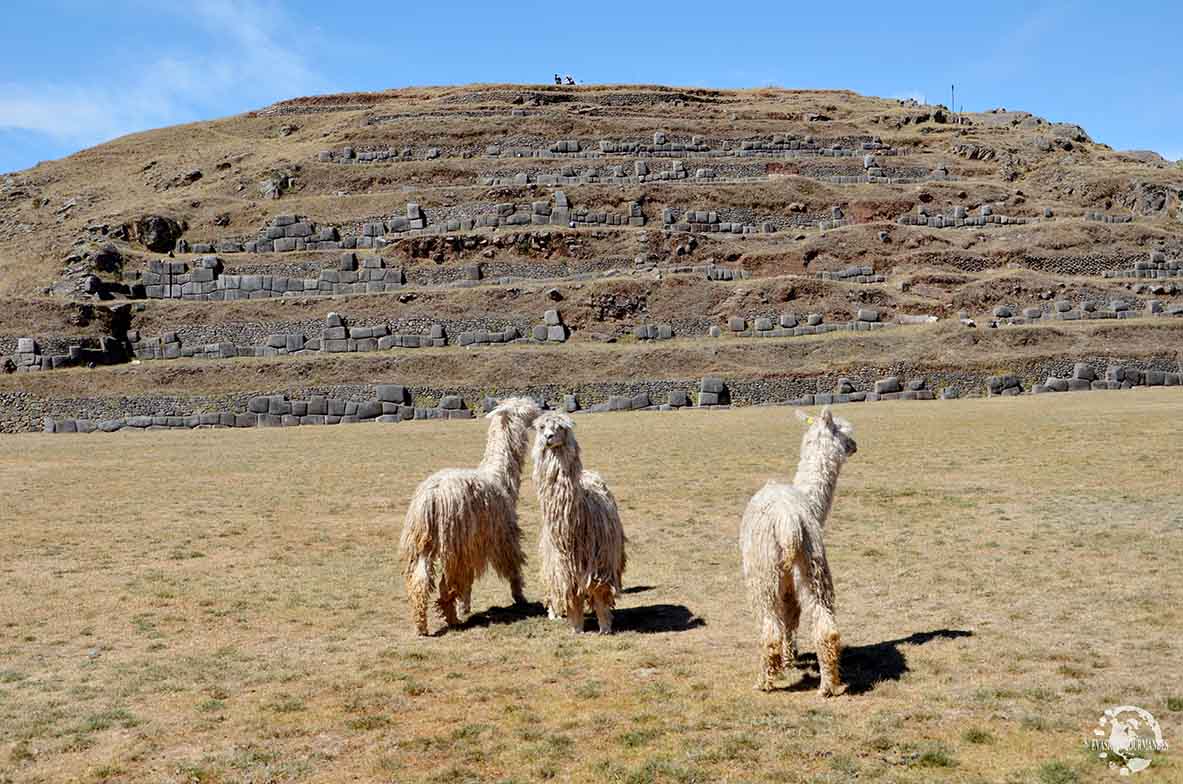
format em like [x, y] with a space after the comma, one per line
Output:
[809, 420]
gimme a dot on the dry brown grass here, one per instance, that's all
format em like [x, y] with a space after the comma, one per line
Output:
[214, 606]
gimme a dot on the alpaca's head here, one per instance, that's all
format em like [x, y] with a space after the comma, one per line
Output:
[832, 436]
[515, 409]
[553, 431]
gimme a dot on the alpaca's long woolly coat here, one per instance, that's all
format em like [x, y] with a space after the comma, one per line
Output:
[461, 521]
[582, 543]
[784, 556]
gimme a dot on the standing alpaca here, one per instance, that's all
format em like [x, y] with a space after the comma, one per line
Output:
[784, 559]
[582, 542]
[466, 518]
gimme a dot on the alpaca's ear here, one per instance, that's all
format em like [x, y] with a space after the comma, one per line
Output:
[827, 417]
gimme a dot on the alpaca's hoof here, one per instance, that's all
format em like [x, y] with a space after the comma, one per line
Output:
[832, 690]
[606, 631]
[764, 685]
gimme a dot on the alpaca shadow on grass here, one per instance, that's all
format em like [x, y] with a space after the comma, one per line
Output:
[651, 619]
[865, 666]
[498, 616]
[639, 588]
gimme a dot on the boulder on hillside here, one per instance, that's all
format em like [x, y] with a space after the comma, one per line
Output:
[157, 233]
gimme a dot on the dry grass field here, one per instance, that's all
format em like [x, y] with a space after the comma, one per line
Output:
[224, 606]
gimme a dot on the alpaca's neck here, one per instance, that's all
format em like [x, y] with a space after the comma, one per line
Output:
[504, 450]
[560, 488]
[817, 475]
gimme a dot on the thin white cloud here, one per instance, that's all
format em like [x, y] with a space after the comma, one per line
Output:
[250, 66]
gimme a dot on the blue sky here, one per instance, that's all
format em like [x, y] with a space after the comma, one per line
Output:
[84, 72]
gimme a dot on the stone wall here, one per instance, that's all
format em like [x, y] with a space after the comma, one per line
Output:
[662, 144]
[1156, 267]
[291, 233]
[787, 325]
[711, 221]
[21, 411]
[206, 280]
[1065, 310]
[958, 217]
[27, 355]
[336, 336]
[865, 274]
[1101, 217]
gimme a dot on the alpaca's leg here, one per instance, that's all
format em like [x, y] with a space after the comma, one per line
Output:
[575, 612]
[791, 615]
[772, 641]
[466, 601]
[602, 602]
[825, 632]
[446, 603]
[447, 608]
[516, 590]
[508, 560]
[419, 587]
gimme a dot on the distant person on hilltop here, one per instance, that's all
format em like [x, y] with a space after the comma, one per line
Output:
[558, 79]
[570, 80]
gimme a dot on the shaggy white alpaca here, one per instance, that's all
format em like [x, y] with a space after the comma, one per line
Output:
[784, 558]
[582, 542]
[467, 519]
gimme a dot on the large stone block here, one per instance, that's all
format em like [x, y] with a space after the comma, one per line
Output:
[889, 385]
[451, 403]
[391, 393]
[369, 409]
[995, 385]
[712, 384]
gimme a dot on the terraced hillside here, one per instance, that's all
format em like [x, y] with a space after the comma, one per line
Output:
[605, 247]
